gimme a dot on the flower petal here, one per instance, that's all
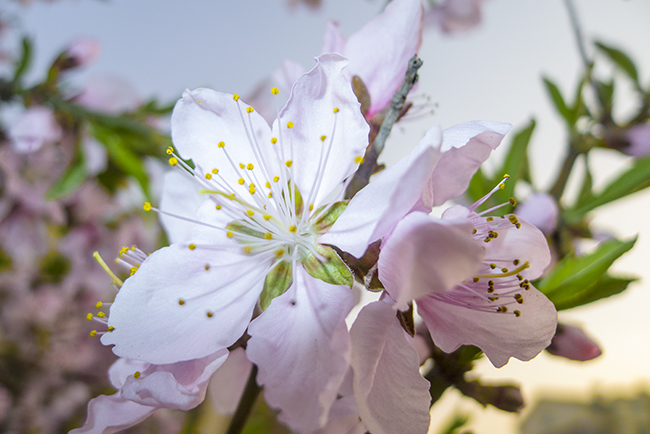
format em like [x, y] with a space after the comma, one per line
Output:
[379, 52]
[499, 335]
[541, 210]
[123, 368]
[318, 164]
[180, 196]
[426, 255]
[108, 414]
[334, 42]
[180, 385]
[376, 209]
[228, 383]
[386, 374]
[218, 290]
[465, 146]
[301, 346]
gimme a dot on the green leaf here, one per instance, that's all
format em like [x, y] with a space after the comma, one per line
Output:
[575, 274]
[479, 185]
[634, 179]
[330, 269]
[516, 163]
[621, 60]
[25, 59]
[604, 287]
[276, 283]
[586, 194]
[560, 105]
[325, 221]
[606, 94]
[71, 178]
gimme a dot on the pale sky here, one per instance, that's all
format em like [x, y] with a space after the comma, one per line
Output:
[490, 73]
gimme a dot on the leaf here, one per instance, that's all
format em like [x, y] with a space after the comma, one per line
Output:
[621, 60]
[479, 185]
[516, 162]
[330, 269]
[325, 221]
[25, 59]
[575, 274]
[604, 287]
[560, 105]
[276, 283]
[586, 194]
[606, 94]
[634, 179]
[71, 178]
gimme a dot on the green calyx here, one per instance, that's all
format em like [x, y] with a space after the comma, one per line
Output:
[276, 283]
[329, 267]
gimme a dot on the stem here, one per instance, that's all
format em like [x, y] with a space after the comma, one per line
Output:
[577, 30]
[560, 184]
[251, 391]
[362, 176]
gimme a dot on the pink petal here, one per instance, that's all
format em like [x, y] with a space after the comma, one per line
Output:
[109, 94]
[122, 369]
[227, 384]
[639, 138]
[84, 50]
[376, 209]
[111, 414]
[334, 41]
[499, 335]
[318, 165]
[350, 424]
[424, 255]
[572, 342]
[301, 346]
[541, 210]
[391, 394]
[35, 127]
[180, 196]
[457, 15]
[466, 146]
[379, 52]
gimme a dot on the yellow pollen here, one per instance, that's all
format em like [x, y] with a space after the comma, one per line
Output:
[336, 110]
[209, 314]
[133, 270]
[123, 250]
[252, 190]
[192, 246]
[93, 333]
[89, 317]
[136, 374]
[249, 166]
[241, 181]
[249, 109]
[475, 280]
[322, 138]
[502, 186]
[229, 234]
[512, 201]
[242, 165]
[288, 163]
[198, 101]
[267, 217]
[276, 178]
[289, 124]
[502, 309]
[99, 305]
[268, 184]
[173, 161]
[207, 267]
[506, 176]
[250, 212]
[517, 313]
[292, 228]
[111, 328]
[101, 314]
[279, 253]
[247, 249]
[275, 90]
[519, 298]
[358, 160]
[270, 195]
[215, 171]
[169, 151]
[221, 144]
[181, 302]
[311, 207]
[218, 206]
[493, 266]
[489, 219]
[504, 270]
[274, 140]
[235, 97]
[208, 176]
[268, 236]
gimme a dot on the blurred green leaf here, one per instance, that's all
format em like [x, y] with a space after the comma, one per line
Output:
[71, 178]
[604, 287]
[621, 59]
[574, 274]
[153, 107]
[479, 185]
[25, 59]
[456, 422]
[606, 94]
[516, 162]
[560, 105]
[586, 194]
[632, 180]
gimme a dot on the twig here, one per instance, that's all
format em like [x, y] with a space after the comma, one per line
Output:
[251, 391]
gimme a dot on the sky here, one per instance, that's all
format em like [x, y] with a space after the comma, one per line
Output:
[490, 73]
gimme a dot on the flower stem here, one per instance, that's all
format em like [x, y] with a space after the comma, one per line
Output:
[560, 183]
[251, 391]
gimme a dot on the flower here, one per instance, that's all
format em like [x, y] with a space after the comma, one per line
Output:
[638, 137]
[266, 202]
[541, 210]
[455, 15]
[35, 127]
[83, 51]
[572, 342]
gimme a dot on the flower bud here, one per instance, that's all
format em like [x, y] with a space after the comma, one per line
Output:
[639, 138]
[541, 210]
[83, 51]
[572, 343]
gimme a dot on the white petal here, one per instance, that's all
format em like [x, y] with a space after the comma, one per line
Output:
[111, 414]
[180, 196]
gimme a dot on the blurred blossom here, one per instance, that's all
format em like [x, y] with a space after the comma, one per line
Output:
[95, 154]
[453, 16]
[35, 127]
[541, 210]
[638, 137]
[572, 343]
[83, 51]
[109, 94]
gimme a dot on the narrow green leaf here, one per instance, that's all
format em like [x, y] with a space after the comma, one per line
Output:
[25, 59]
[586, 194]
[576, 273]
[276, 283]
[560, 105]
[621, 60]
[325, 221]
[604, 287]
[331, 269]
[71, 178]
[634, 179]
[516, 163]
[479, 185]
[606, 94]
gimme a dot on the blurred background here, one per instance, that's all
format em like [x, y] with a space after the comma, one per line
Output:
[491, 72]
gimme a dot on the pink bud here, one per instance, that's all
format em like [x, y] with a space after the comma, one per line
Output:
[109, 94]
[572, 343]
[84, 51]
[541, 210]
[35, 127]
[456, 15]
[639, 138]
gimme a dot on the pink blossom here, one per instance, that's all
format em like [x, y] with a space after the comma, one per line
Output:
[109, 94]
[35, 127]
[541, 210]
[639, 139]
[572, 342]
[454, 16]
[84, 51]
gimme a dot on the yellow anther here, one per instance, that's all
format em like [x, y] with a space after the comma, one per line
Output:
[241, 181]
[311, 207]
[146, 206]
[252, 190]
[137, 374]
[279, 253]
[229, 234]
[517, 313]
[89, 317]
[268, 184]
[242, 165]
[209, 314]
[192, 246]
[519, 298]
[249, 109]
[181, 302]
[215, 171]
[293, 228]
[270, 195]
[221, 144]
[123, 250]
[515, 262]
[101, 314]
[358, 160]
[133, 270]
[489, 219]
[208, 176]
[289, 124]
[250, 212]
[512, 201]
[502, 309]
[93, 333]
[250, 166]
[235, 97]
[336, 110]
[247, 249]
[276, 178]
[502, 186]
[267, 217]
[218, 206]
[275, 90]
[199, 101]
[493, 266]
[99, 305]
[173, 161]
[268, 236]
[288, 163]
[274, 140]
[506, 176]
[169, 151]
[322, 138]
[111, 328]
[475, 279]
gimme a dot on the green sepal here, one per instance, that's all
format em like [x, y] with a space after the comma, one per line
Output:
[325, 221]
[276, 283]
[572, 277]
[330, 270]
[241, 228]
